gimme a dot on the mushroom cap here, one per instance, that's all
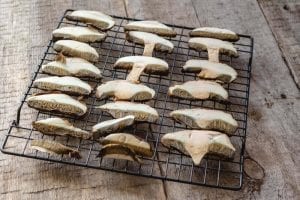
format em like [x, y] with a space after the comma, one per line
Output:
[213, 32]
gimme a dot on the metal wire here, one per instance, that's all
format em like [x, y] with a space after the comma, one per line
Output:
[166, 164]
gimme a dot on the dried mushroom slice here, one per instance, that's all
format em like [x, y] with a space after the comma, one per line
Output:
[110, 126]
[197, 143]
[76, 49]
[64, 66]
[199, 89]
[78, 33]
[59, 126]
[213, 46]
[212, 32]
[151, 27]
[65, 84]
[141, 112]
[118, 151]
[52, 147]
[95, 18]
[139, 64]
[150, 41]
[124, 90]
[211, 70]
[138, 145]
[57, 102]
[208, 119]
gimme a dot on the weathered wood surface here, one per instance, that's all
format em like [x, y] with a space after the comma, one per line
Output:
[273, 129]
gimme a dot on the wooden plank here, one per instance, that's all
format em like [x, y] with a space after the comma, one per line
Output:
[283, 18]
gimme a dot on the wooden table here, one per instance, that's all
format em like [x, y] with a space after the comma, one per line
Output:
[273, 152]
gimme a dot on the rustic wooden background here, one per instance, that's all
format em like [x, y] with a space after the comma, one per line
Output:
[273, 152]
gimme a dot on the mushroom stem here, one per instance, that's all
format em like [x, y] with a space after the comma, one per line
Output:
[213, 54]
[148, 50]
[135, 73]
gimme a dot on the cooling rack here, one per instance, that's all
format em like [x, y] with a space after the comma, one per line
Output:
[166, 164]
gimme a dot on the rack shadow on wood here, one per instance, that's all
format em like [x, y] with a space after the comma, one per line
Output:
[165, 164]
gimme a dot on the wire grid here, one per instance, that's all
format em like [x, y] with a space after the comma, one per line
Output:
[166, 164]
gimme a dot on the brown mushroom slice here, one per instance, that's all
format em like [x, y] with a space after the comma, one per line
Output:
[151, 27]
[64, 66]
[213, 46]
[57, 102]
[211, 70]
[139, 146]
[95, 18]
[197, 143]
[150, 41]
[59, 126]
[110, 126]
[118, 151]
[139, 64]
[124, 90]
[141, 112]
[79, 33]
[65, 84]
[76, 49]
[213, 32]
[200, 89]
[199, 118]
[52, 147]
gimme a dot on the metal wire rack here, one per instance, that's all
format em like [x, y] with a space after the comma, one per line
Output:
[166, 164]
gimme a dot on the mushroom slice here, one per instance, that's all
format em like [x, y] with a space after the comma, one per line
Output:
[59, 126]
[124, 90]
[199, 89]
[76, 49]
[212, 32]
[213, 47]
[139, 64]
[141, 112]
[71, 67]
[110, 126]
[137, 145]
[118, 151]
[57, 102]
[65, 84]
[78, 33]
[197, 143]
[151, 27]
[211, 70]
[199, 118]
[150, 41]
[51, 147]
[95, 18]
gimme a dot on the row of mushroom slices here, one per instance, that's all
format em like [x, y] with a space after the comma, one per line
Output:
[210, 128]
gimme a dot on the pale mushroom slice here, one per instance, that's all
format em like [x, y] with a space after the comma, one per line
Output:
[141, 112]
[138, 145]
[57, 102]
[139, 64]
[151, 26]
[95, 18]
[79, 33]
[150, 41]
[200, 89]
[59, 126]
[199, 118]
[52, 147]
[211, 70]
[66, 84]
[118, 151]
[197, 143]
[213, 46]
[64, 66]
[124, 90]
[213, 32]
[76, 49]
[110, 126]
